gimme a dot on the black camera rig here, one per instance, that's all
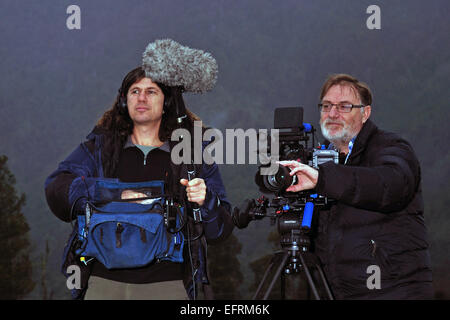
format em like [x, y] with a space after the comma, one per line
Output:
[293, 211]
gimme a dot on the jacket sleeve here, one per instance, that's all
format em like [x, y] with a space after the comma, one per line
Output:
[70, 185]
[217, 221]
[387, 185]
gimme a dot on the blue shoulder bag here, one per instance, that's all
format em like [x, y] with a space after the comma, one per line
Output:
[128, 233]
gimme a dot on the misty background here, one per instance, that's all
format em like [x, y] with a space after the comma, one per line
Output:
[56, 83]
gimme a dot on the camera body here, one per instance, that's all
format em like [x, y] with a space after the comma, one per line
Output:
[292, 210]
[296, 142]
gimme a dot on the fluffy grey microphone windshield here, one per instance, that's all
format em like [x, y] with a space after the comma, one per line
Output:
[172, 64]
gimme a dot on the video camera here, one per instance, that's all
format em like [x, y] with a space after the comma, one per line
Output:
[293, 210]
[296, 142]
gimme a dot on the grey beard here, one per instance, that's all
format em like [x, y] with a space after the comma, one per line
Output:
[339, 140]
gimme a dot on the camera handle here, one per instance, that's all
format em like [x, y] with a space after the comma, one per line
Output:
[195, 207]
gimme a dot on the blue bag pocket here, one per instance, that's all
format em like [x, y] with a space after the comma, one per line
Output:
[127, 235]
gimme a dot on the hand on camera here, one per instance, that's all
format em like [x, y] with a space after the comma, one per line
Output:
[306, 175]
[195, 190]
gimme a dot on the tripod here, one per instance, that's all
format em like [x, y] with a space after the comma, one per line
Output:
[294, 258]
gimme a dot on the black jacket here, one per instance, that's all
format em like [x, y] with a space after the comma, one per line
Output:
[376, 220]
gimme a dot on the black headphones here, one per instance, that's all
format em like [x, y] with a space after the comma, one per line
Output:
[122, 101]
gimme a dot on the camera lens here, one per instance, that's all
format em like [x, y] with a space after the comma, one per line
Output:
[278, 181]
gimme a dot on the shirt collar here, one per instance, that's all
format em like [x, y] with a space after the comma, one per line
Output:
[165, 147]
[350, 147]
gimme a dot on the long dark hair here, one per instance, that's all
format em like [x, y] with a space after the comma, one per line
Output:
[116, 124]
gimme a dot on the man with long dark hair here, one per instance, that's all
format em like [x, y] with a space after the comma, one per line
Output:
[131, 142]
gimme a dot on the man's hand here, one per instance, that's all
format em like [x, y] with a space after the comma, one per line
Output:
[306, 175]
[195, 190]
[131, 194]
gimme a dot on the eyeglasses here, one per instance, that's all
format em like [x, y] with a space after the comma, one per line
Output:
[340, 107]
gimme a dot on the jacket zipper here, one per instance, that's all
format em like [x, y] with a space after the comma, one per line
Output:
[374, 247]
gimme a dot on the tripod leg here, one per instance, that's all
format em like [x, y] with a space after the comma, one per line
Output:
[308, 276]
[277, 274]
[266, 273]
[325, 283]
[281, 265]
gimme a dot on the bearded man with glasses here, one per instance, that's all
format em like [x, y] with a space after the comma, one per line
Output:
[372, 241]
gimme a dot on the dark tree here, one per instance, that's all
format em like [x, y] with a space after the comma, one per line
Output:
[259, 266]
[224, 268]
[15, 265]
